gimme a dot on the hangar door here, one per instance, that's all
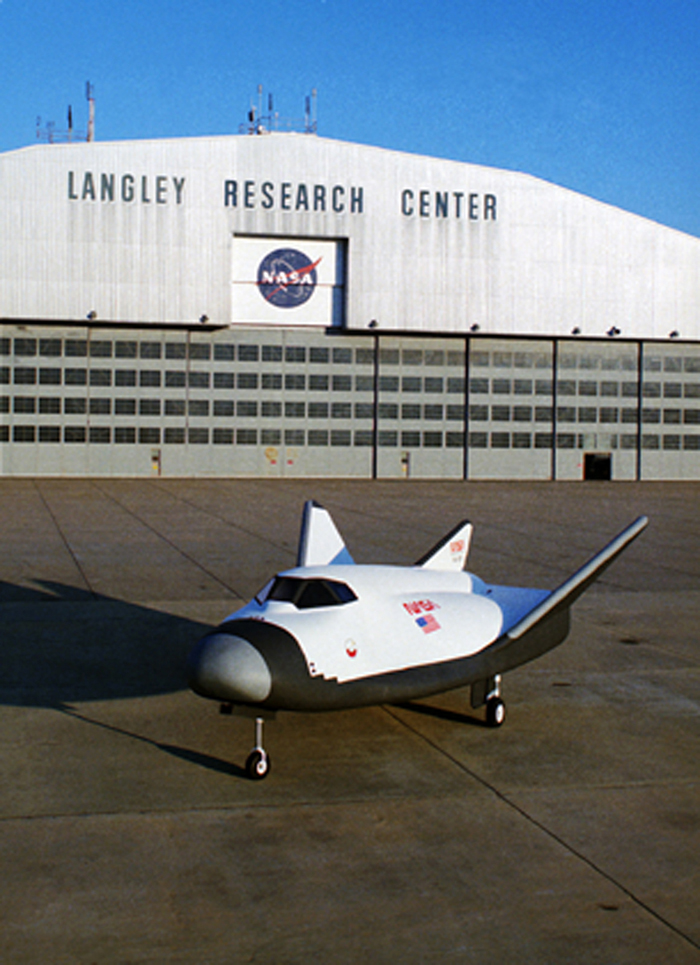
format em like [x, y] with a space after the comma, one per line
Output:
[288, 281]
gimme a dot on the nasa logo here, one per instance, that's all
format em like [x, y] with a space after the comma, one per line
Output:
[287, 278]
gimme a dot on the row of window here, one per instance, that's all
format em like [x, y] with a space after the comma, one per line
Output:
[230, 352]
[275, 381]
[226, 408]
[195, 351]
[628, 363]
[153, 435]
[604, 414]
[269, 408]
[574, 360]
[299, 382]
[585, 387]
[176, 379]
[28, 346]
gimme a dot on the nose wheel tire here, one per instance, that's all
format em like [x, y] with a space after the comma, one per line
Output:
[258, 765]
[495, 712]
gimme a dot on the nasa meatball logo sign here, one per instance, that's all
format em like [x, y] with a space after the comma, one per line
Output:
[287, 278]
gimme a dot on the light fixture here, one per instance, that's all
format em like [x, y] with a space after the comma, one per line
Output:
[475, 327]
[204, 319]
[612, 332]
[373, 324]
[576, 330]
[91, 315]
[674, 334]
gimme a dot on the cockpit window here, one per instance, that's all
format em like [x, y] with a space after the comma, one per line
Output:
[315, 593]
[263, 594]
[306, 594]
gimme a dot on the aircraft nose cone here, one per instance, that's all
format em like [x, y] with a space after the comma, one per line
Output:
[229, 668]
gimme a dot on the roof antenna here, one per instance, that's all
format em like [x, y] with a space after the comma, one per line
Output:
[90, 94]
[310, 118]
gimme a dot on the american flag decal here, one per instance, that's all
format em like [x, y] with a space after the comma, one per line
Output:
[427, 623]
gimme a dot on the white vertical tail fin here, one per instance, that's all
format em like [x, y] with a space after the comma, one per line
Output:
[320, 543]
[452, 550]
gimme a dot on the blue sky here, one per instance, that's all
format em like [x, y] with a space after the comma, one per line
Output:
[601, 97]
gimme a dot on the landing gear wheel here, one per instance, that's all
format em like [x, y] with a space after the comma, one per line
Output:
[258, 765]
[495, 712]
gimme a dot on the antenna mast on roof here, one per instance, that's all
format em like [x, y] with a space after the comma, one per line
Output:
[90, 94]
[311, 123]
[259, 123]
[49, 133]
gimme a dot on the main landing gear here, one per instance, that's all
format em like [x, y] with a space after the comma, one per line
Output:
[257, 765]
[488, 692]
[495, 711]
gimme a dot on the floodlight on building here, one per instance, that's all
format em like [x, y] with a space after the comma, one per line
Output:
[204, 319]
[475, 327]
[91, 315]
[612, 332]
[674, 334]
[373, 324]
[576, 330]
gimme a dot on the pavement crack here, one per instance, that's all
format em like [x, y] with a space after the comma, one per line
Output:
[64, 539]
[223, 519]
[518, 809]
[169, 542]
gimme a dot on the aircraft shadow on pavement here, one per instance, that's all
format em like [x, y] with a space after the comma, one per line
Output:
[93, 648]
[442, 713]
[61, 645]
[183, 753]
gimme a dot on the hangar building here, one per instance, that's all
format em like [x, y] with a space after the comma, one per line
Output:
[285, 304]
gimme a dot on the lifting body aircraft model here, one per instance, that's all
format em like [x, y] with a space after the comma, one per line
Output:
[330, 634]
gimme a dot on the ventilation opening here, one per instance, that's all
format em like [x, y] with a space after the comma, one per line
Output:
[597, 465]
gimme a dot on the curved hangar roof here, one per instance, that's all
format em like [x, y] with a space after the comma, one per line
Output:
[170, 231]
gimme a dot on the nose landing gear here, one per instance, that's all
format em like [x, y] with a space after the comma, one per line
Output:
[258, 764]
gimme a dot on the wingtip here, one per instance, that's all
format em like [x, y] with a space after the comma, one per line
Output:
[640, 523]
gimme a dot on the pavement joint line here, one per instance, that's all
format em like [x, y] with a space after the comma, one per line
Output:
[64, 538]
[545, 830]
[165, 539]
[222, 519]
[249, 805]
[363, 514]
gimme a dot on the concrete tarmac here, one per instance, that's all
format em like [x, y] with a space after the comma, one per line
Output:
[414, 834]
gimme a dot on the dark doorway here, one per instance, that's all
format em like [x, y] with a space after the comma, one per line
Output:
[597, 465]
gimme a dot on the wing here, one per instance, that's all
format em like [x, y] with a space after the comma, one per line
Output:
[452, 550]
[571, 589]
[320, 543]
[531, 631]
